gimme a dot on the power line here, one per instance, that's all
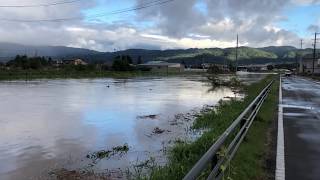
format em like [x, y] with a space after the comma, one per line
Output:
[137, 7]
[40, 5]
[120, 11]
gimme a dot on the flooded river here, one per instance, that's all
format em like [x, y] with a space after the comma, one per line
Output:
[52, 124]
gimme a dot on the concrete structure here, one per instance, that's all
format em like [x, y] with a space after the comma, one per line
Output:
[162, 66]
[306, 64]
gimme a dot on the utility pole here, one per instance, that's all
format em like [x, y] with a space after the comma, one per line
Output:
[314, 52]
[237, 52]
[300, 69]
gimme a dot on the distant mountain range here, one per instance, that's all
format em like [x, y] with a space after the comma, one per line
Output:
[10, 50]
[247, 55]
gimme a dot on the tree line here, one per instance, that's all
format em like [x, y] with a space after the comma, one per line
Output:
[23, 62]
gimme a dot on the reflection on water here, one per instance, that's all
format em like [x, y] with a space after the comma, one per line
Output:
[53, 124]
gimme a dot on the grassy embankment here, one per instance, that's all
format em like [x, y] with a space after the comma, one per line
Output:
[250, 160]
[61, 74]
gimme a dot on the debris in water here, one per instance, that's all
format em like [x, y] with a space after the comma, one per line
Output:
[121, 149]
[158, 131]
[108, 153]
[152, 116]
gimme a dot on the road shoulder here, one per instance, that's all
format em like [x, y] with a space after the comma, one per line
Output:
[280, 161]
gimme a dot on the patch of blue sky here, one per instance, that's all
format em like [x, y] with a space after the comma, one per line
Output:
[104, 11]
[201, 6]
[299, 18]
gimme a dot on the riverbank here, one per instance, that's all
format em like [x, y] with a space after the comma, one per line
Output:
[249, 162]
[63, 74]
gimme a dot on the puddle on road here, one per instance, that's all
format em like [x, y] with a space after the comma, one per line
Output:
[296, 106]
[295, 114]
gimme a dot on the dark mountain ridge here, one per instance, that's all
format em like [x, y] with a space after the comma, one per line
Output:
[247, 55]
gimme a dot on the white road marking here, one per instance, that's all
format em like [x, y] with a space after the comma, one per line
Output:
[280, 164]
[295, 106]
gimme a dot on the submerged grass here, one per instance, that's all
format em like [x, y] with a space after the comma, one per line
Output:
[248, 163]
[62, 74]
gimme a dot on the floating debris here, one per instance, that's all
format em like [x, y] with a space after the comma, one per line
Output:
[118, 150]
[152, 116]
[158, 130]
[124, 148]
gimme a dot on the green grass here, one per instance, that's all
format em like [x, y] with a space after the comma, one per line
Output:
[248, 162]
[63, 74]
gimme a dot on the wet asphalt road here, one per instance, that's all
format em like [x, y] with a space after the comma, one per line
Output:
[301, 108]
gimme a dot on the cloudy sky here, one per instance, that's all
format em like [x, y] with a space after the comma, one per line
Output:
[106, 25]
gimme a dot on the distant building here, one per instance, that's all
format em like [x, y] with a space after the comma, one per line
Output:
[162, 66]
[253, 67]
[75, 62]
[306, 64]
[58, 63]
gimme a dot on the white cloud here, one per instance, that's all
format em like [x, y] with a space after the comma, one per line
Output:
[271, 28]
[174, 25]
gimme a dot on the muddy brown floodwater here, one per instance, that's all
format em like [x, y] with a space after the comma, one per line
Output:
[95, 125]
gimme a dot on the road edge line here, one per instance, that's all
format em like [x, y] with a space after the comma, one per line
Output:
[280, 161]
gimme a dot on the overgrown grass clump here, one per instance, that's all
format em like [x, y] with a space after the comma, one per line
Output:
[184, 155]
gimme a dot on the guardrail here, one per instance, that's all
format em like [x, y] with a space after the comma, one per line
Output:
[218, 157]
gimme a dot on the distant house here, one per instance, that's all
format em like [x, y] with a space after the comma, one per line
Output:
[306, 64]
[162, 66]
[74, 62]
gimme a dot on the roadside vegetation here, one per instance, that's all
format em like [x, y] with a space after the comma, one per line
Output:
[254, 158]
[249, 163]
